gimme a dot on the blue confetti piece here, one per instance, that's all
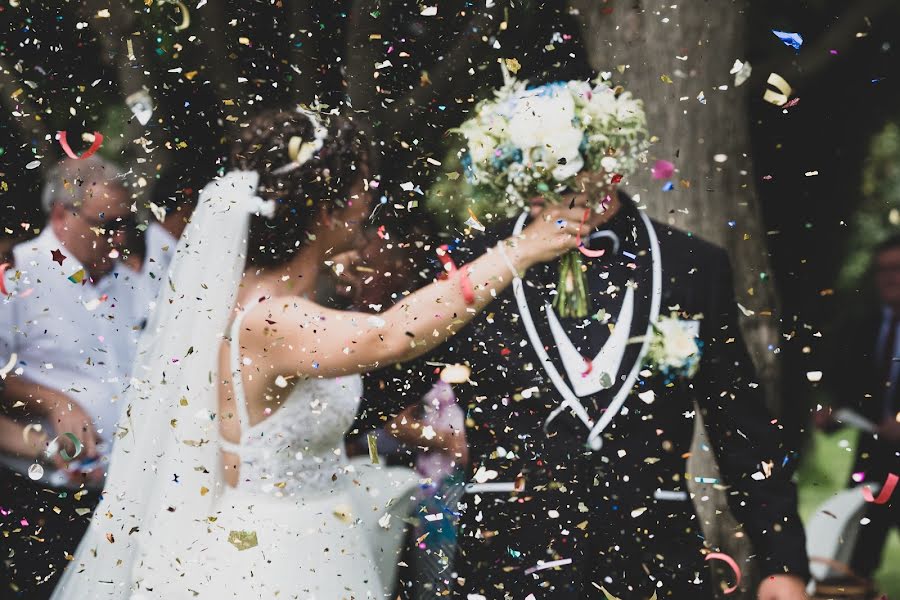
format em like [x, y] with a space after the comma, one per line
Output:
[794, 40]
[732, 224]
[629, 255]
[668, 187]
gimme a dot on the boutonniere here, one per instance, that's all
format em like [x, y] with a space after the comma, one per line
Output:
[675, 347]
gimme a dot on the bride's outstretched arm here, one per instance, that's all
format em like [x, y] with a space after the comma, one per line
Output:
[310, 339]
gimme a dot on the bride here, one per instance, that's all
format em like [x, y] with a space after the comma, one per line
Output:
[229, 477]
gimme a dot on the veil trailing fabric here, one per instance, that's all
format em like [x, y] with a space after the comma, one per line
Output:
[164, 472]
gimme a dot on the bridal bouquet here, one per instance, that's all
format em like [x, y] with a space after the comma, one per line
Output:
[533, 142]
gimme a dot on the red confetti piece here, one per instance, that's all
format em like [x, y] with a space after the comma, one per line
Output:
[381, 231]
[3, 269]
[98, 141]
[581, 248]
[589, 367]
[730, 562]
[505, 352]
[886, 491]
[617, 177]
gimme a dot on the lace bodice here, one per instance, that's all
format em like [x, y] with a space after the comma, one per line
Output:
[299, 448]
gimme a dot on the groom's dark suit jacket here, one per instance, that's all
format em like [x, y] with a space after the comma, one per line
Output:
[622, 513]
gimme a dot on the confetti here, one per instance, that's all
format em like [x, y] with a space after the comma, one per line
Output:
[75, 442]
[455, 373]
[741, 71]
[140, 103]
[779, 98]
[373, 448]
[886, 491]
[794, 40]
[35, 471]
[663, 169]
[243, 540]
[77, 276]
[473, 221]
[185, 15]
[730, 562]
[548, 565]
[95, 145]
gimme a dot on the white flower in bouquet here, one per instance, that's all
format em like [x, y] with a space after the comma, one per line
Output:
[674, 349]
[543, 128]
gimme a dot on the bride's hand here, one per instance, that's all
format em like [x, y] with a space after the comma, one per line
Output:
[554, 231]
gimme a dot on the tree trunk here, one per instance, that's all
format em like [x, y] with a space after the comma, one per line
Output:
[669, 55]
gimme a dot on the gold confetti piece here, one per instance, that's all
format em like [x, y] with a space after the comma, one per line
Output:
[778, 99]
[665, 79]
[130, 49]
[243, 540]
[373, 448]
[204, 490]
[455, 374]
[343, 512]
[513, 65]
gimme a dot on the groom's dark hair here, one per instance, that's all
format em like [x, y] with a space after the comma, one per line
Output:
[300, 191]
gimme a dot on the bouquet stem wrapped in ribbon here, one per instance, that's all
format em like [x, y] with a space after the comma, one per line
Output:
[544, 142]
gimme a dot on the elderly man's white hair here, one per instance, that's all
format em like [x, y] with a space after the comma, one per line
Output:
[68, 181]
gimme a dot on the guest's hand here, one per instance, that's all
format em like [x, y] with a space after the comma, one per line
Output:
[889, 430]
[69, 417]
[782, 587]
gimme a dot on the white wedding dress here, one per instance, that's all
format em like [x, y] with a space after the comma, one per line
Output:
[304, 522]
[314, 514]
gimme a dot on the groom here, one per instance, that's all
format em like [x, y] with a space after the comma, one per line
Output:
[579, 436]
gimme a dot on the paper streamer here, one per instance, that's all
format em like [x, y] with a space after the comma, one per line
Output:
[730, 562]
[26, 431]
[775, 98]
[587, 252]
[886, 491]
[185, 16]
[78, 446]
[9, 366]
[98, 141]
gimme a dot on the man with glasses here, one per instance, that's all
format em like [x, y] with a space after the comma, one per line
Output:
[72, 318]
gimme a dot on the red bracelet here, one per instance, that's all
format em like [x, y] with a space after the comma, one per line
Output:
[465, 283]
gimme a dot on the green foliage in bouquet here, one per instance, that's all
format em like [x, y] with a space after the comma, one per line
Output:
[533, 142]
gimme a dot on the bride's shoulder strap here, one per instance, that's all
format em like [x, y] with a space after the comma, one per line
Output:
[235, 363]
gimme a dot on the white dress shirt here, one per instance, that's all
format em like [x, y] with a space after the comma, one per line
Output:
[79, 338]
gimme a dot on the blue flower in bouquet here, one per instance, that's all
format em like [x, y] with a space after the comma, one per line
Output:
[506, 155]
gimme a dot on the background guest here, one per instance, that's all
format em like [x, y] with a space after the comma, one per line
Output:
[72, 319]
[865, 379]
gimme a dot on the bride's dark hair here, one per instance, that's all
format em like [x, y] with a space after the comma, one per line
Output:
[324, 180]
